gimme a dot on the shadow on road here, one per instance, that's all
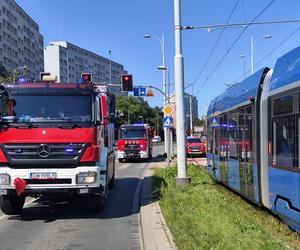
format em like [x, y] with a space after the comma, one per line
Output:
[118, 204]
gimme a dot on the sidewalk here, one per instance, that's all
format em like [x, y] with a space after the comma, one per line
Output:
[155, 232]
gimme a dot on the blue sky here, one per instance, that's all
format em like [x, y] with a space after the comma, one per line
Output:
[100, 25]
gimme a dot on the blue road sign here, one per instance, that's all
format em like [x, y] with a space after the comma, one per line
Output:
[214, 122]
[142, 91]
[136, 91]
[139, 91]
[168, 122]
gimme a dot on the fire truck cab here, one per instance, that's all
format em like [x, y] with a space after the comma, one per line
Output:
[56, 139]
[134, 142]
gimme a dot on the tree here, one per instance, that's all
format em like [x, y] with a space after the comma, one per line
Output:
[156, 120]
[130, 109]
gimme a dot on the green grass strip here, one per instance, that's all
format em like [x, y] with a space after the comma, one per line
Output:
[206, 215]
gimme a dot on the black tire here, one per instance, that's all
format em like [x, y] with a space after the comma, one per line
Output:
[121, 160]
[12, 204]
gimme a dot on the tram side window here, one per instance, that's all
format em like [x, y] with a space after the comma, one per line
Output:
[210, 140]
[241, 132]
[217, 131]
[248, 135]
[223, 136]
[233, 136]
[283, 133]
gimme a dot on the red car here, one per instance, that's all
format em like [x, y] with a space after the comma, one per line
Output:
[194, 146]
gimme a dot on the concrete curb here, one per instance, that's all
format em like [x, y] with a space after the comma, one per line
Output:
[155, 232]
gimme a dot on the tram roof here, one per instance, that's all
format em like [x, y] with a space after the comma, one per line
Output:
[286, 70]
[238, 94]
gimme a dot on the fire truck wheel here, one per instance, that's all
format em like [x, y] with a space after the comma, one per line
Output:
[12, 204]
[121, 160]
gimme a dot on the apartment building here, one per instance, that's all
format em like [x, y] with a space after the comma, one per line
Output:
[21, 43]
[190, 106]
[67, 61]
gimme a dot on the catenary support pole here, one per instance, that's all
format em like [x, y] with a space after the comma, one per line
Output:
[182, 178]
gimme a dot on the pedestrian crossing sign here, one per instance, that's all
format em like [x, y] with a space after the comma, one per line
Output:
[168, 122]
[214, 122]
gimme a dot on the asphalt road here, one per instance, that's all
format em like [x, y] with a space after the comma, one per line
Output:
[66, 226]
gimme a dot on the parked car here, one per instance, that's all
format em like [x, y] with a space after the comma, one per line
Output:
[195, 146]
[156, 139]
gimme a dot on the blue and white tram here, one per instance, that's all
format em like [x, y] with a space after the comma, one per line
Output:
[254, 138]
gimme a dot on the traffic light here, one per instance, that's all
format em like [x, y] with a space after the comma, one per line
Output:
[86, 77]
[126, 83]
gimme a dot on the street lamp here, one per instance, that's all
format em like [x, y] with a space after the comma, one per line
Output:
[242, 56]
[109, 52]
[163, 68]
[252, 46]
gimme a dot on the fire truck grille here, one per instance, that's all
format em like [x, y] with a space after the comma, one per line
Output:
[132, 147]
[45, 154]
[54, 181]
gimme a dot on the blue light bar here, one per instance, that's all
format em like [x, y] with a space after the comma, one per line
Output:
[22, 79]
[69, 150]
[138, 124]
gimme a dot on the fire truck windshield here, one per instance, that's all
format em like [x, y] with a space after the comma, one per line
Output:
[47, 108]
[132, 133]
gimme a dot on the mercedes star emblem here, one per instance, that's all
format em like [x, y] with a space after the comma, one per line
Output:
[43, 151]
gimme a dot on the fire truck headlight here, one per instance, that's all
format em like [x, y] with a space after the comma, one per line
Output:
[4, 179]
[86, 177]
[142, 146]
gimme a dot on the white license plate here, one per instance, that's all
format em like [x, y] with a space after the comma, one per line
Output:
[43, 175]
[83, 191]
[195, 150]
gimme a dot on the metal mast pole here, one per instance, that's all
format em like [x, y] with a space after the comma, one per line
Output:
[251, 54]
[166, 132]
[191, 117]
[182, 178]
[109, 66]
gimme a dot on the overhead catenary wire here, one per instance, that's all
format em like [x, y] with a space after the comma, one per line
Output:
[232, 45]
[211, 28]
[214, 47]
[271, 52]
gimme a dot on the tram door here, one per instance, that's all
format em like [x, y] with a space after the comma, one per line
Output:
[245, 152]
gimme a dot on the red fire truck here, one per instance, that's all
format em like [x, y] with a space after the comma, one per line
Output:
[134, 142]
[55, 140]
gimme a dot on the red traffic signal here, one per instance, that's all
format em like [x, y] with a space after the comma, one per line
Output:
[126, 81]
[86, 77]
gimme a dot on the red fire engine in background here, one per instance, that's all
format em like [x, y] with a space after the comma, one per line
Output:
[55, 139]
[134, 142]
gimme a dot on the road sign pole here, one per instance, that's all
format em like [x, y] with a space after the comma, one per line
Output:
[169, 148]
[182, 178]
